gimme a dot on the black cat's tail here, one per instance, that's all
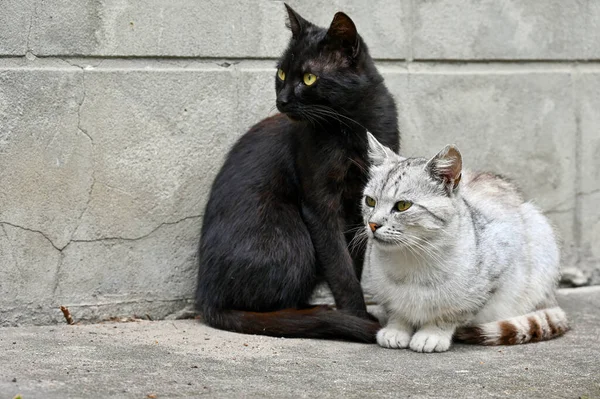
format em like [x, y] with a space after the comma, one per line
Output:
[314, 322]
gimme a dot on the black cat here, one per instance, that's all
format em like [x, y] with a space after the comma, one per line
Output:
[285, 205]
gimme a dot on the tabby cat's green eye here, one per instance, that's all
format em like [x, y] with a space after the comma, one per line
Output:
[281, 74]
[401, 206]
[309, 79]
[370, 201]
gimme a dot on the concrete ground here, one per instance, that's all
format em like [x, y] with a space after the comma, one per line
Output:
[166, 359]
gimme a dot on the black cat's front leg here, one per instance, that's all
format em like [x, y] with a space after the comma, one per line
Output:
[335, 261]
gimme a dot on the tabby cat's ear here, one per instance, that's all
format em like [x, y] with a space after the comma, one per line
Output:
[446, 167]
[343, 29]
[295, 22]
[378, 153]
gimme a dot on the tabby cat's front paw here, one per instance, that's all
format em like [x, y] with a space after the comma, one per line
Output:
[430, 341]
[393, 338]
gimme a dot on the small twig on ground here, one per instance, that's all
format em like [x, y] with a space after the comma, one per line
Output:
[67, 315]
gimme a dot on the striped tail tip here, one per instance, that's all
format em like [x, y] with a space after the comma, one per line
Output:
[541, 325]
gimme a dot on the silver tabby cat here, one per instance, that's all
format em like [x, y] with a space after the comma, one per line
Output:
[457, 254]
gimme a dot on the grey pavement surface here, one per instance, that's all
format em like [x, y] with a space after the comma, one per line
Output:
[184, 358]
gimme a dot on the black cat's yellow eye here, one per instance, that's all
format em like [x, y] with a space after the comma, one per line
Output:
[401, 206]
[370, 201]
[281, 74]
[309, 79]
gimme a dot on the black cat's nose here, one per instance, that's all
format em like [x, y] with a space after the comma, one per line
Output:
[283, 99]
[282, 102]
[374, 226]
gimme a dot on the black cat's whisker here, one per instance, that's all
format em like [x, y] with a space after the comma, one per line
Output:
[326, 113]
[317, 121]
[307, 117]
[334, 112]
[271, 109]
[310, 118]
[320, 118]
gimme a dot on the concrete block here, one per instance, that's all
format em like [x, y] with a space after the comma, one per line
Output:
[521, 125]
[154, 275]
[588, 97]
[16, 17]
[160, 134]
[506, 29]
[146, 28]
[224, 29]
[28, 265]
[45, 159]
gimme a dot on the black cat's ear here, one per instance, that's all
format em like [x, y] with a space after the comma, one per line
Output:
[378, 153]
[446, 167]
[295, 22]
[343, 29]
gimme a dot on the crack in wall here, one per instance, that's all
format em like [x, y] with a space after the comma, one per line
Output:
[82, 130]
[142, 236]
[57, 273]
[585, 194]
[33, 231]
[61, 249]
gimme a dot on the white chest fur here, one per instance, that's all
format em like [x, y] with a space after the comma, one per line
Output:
[407, 285]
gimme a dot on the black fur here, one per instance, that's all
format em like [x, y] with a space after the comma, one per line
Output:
[286, 203]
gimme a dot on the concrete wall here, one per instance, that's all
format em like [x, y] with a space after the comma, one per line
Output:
[115, 116]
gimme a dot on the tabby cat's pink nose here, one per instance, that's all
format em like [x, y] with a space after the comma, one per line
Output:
[374, 226]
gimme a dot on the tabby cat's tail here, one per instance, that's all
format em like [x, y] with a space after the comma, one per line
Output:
[315, 322]
[540, 325]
